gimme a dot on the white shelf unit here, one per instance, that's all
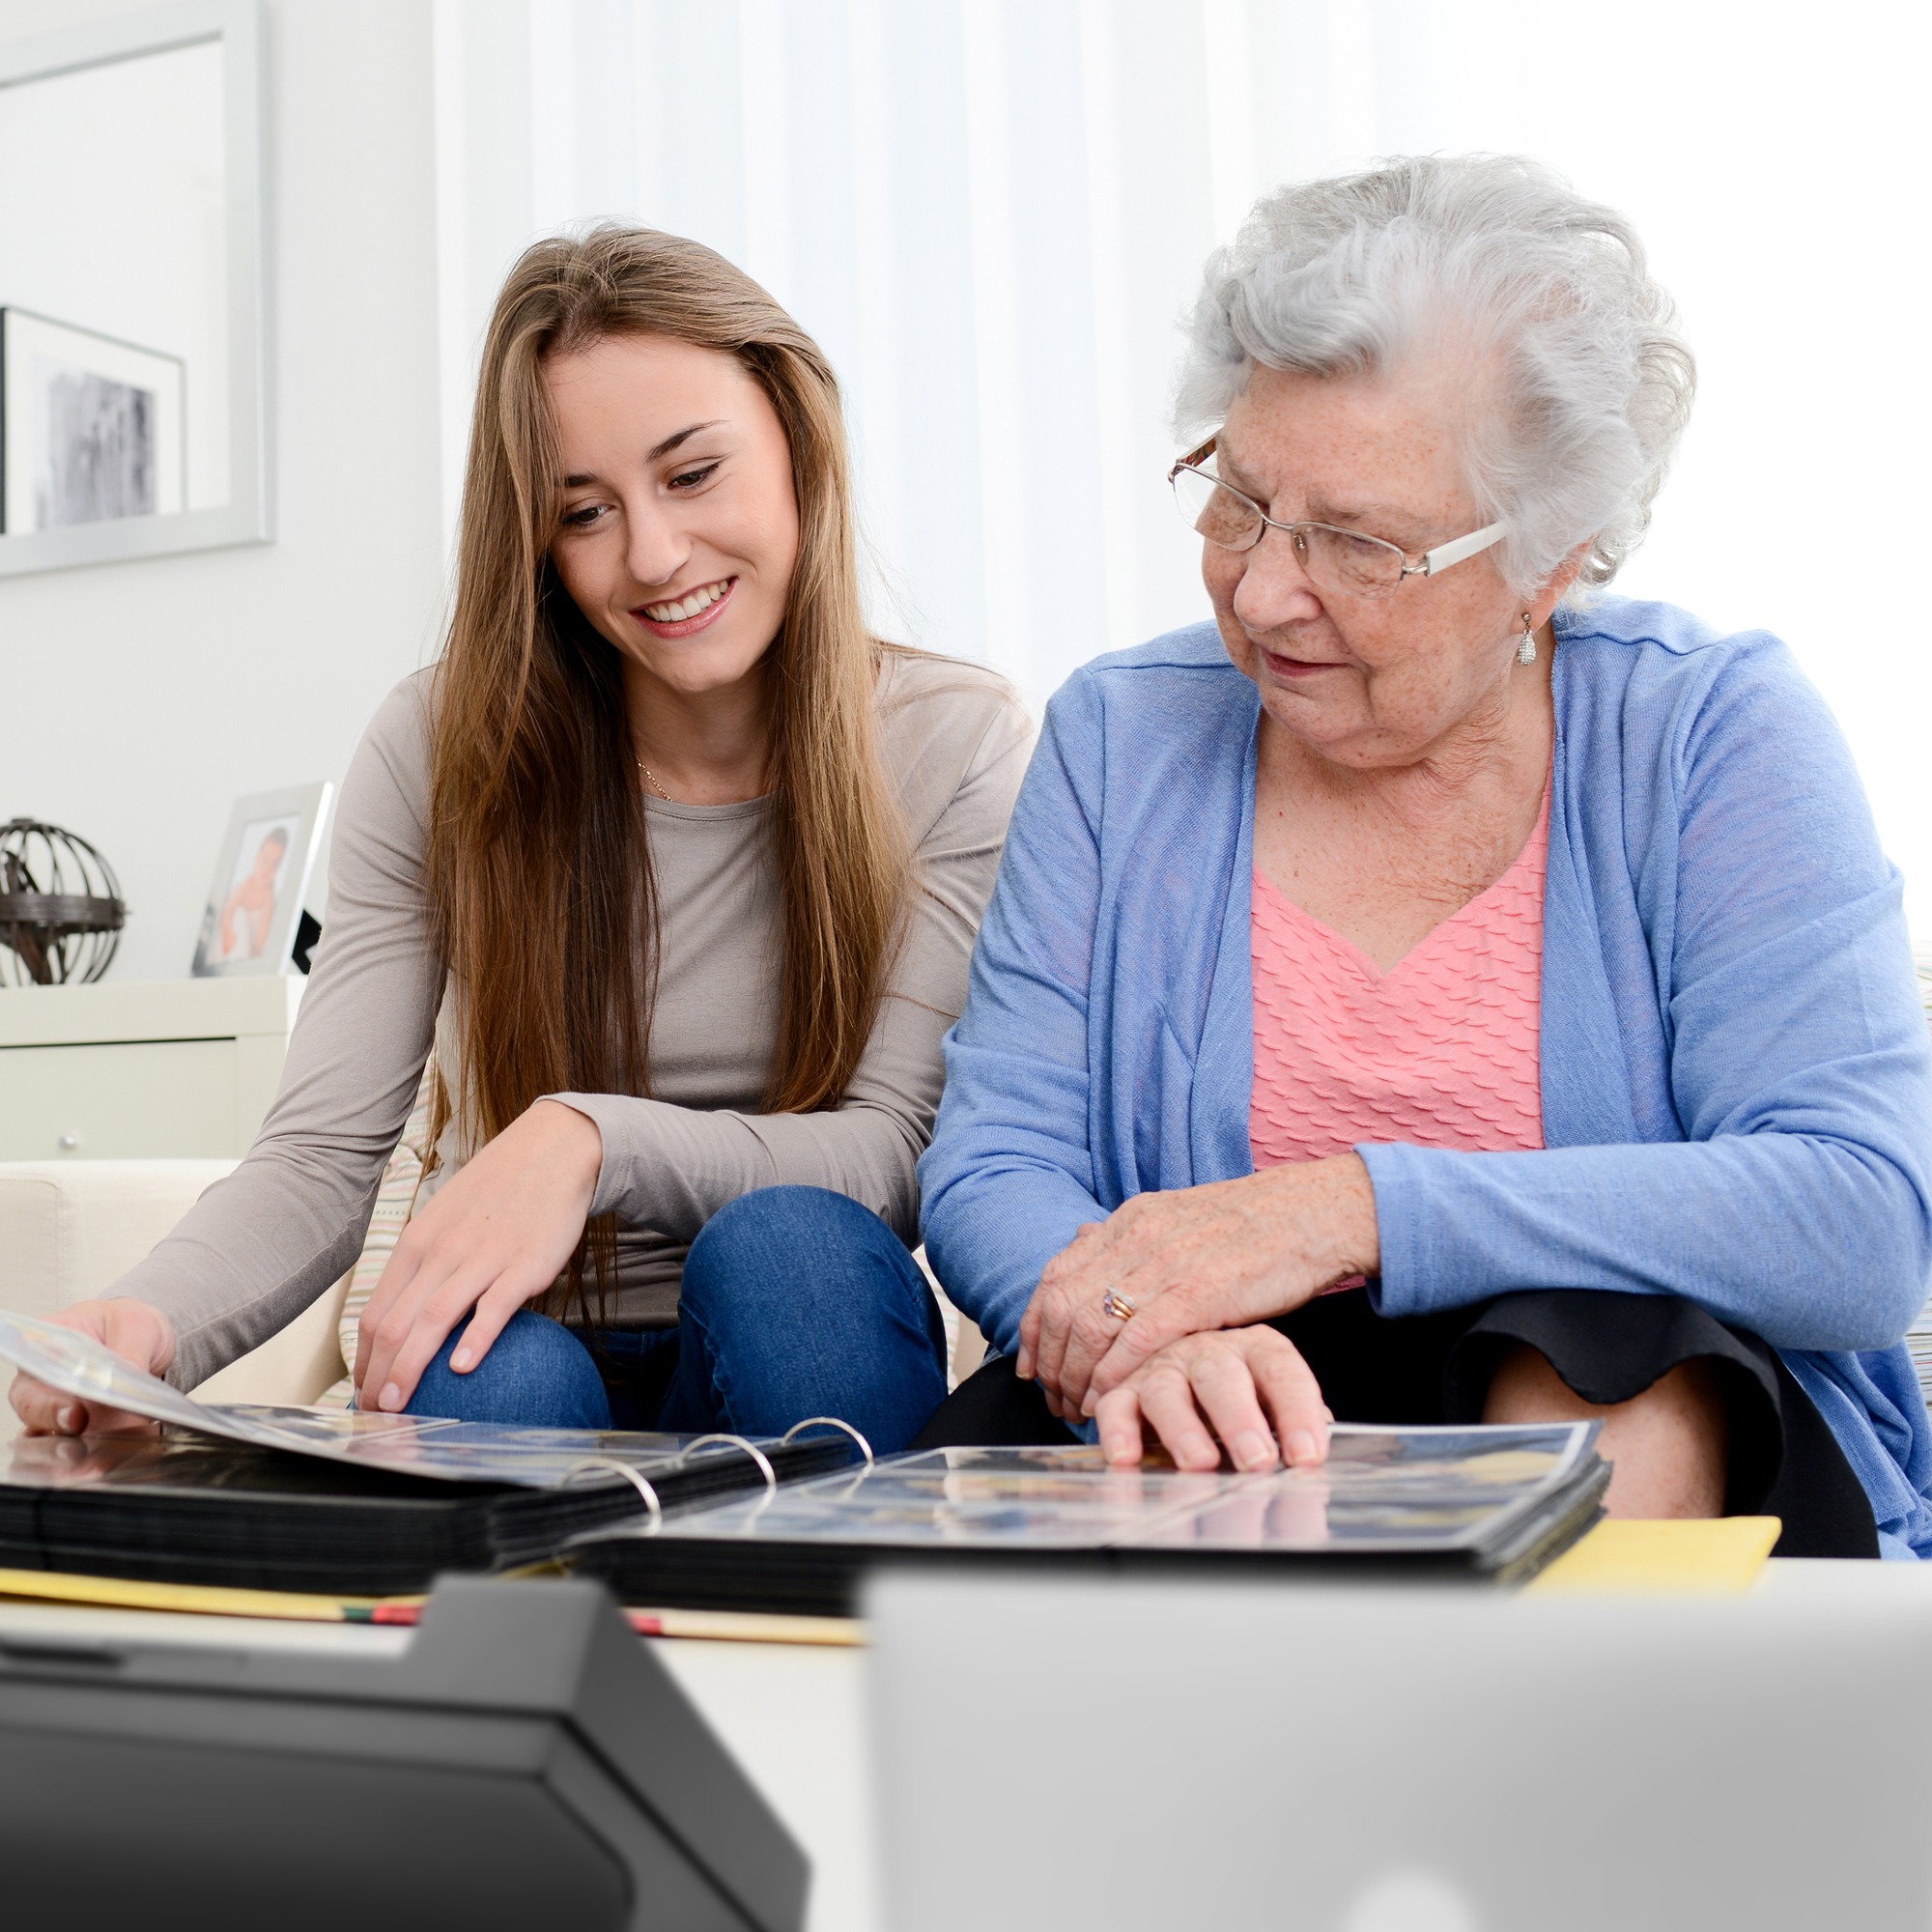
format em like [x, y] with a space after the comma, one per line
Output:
[177, 1069]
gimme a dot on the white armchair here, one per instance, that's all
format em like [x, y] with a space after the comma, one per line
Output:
[69, 1228]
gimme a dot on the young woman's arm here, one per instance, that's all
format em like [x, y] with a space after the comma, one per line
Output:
[502, 1228]
[259, 1246]
[958, 758]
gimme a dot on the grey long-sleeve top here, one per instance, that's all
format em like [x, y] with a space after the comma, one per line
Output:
[262, 1244]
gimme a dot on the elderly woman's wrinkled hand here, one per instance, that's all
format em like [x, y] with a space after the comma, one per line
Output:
[1190, 1259]
[1248, 1387]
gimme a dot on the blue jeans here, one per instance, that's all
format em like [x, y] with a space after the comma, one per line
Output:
[796, 1301]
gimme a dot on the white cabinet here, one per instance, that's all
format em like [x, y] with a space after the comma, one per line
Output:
[180, 1069]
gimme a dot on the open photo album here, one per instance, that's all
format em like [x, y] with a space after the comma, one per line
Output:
[323, 1500]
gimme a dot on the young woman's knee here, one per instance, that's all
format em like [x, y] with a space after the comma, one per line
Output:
[776, 1241]
[788, 1259]
[537, 1374]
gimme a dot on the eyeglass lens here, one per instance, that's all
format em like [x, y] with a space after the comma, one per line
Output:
[1337, 560]
[1215, 513]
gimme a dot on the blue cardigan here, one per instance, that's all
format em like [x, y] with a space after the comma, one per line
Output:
[1734, 1063]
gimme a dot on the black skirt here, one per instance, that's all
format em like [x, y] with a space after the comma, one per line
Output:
[1782, 1462]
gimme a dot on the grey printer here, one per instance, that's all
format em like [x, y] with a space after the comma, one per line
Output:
[524, 1762]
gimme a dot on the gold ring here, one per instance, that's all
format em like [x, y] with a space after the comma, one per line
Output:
[1120, 1306]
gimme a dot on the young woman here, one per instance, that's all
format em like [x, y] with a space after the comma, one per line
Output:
[677, 871]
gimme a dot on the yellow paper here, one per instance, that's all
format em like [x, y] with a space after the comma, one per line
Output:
[123, 1593]
[1720, 1556]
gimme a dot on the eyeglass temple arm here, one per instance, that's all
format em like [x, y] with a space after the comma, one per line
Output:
[1444, 555]
[1194, 457]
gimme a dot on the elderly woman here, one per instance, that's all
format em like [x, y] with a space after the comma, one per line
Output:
[1432, 992]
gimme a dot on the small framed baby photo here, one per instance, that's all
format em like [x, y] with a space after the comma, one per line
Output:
[255, 903]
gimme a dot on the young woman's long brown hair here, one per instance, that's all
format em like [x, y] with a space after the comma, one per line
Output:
[537, 875]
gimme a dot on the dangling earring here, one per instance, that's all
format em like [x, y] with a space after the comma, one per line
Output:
[1525, 651]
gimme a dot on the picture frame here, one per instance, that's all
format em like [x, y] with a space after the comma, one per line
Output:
[91, 429]
[261, 877]
[228, 399]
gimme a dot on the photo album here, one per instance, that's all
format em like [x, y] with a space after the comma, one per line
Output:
[337, 1500]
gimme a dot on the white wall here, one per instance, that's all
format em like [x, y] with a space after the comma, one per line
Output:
[137, 700]
[991, 212]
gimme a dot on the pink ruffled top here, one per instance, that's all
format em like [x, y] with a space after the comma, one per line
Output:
[1439, 1051]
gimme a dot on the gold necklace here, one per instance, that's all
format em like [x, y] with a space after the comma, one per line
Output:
[652, 782]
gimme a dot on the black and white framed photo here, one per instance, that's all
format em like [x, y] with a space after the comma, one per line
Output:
[91, 428]
[254, 904]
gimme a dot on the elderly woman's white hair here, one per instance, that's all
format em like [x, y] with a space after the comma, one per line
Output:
[1497, 261]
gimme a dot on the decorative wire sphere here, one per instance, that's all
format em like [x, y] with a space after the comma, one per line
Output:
[61, 912]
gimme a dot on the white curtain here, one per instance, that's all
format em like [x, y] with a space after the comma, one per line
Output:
[992, 213]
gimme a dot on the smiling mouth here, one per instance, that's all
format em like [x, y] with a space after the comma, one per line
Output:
[695, 604]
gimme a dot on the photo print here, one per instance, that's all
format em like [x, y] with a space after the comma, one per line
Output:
[255, 902]
[241, 932]
[90, 427]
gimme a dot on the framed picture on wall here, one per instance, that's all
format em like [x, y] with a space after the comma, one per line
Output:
[254, 904]
[90, 427]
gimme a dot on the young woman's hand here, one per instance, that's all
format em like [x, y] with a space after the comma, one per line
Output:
[1191, 1259]
[136, 1332]
[1246, 1387]
[497, 1236]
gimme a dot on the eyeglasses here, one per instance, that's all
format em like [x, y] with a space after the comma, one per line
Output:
[1342, 562]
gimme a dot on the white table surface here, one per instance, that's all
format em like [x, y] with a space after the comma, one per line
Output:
[793, 1715]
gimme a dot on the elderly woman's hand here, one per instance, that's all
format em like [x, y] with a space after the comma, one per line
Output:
[1249, 1387]
[1191, 1259]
